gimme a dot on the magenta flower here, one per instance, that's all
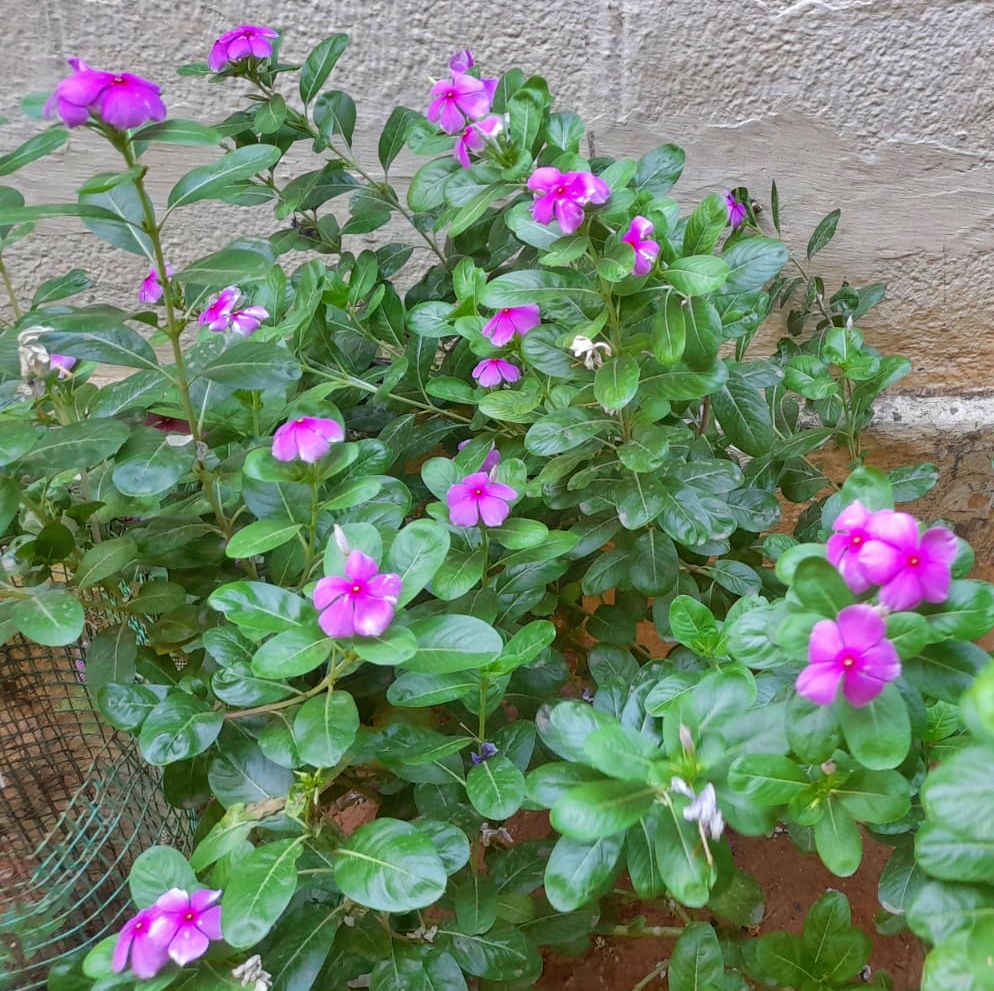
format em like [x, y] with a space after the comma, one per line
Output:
[737, 211]
[63, 362]
[910, 568]
[504, 324]
[221, 315]
[562, 197]
[308, 438]
[475, 138]
[147, 956]
[646, 250]
[361, 603]
[119, 99]
[245, 41]
[459, 100]
[186, 924]
[845, 546]
[478, 498]
[493, 371]
[851, 649]
[461, 61]
[490, 461]
[151, 288]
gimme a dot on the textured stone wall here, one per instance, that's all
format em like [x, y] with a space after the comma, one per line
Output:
[881, 107]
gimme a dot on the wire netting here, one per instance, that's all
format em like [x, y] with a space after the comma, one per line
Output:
[77, 805]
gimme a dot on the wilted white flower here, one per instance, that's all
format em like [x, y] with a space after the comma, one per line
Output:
[590, 351]
[489, 835]
[252, 975]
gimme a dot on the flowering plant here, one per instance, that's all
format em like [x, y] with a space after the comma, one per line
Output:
[365, 552]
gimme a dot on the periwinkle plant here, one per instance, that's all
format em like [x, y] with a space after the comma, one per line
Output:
[350, 545]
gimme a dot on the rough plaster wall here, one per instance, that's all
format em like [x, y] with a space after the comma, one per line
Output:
[882, 107]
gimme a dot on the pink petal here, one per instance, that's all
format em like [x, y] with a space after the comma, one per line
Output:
[218, 58]
[285, 443]
[329, 589]
[860, 626]
[934, 580]
[330, 430]
[825, 642]
[147, 958]
[854, 517]
[359, 567]
[510, 372]
[881, 661]
[940, 545]
[209, 922]
[386, 586]
[372, 616]
[836, 546]
[819, 683]
[188, 944]
[336, 620]
[311, 446]
[493, 511]
[121, 947]
[202, 900]
[174, 900]
[464, 512]
[641, 227]
[451, 119]
[524, 318]
[544, 180]
[84, 87]
[486, 373]
[569, 215]
[903, 591]
[861, 687]
[461, 150]
[543, 209]
[130, 104]
[853, 573]
[434, 110]
[881, 560]
[239, 47]
[260, 48]
[458, 492]
[899, 529]
[500, 491]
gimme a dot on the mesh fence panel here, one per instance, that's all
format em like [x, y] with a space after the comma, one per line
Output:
[77, 805]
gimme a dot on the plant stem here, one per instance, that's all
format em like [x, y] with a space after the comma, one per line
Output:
[663, 932]
[312, 531]
[286, 703]
[11, 295]
[654, 975]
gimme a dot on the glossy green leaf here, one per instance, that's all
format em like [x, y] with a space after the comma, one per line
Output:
[178, 728]
[319, 63]
[578, 871]
[259, 891]
[49, 617]
[208, 181]
[878, 734]
[325, 728]
[496, 788]
[260, 537]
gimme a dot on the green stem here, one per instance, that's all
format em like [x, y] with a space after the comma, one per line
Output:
[312, 530]
[286, 703]
[485, 547]
[663, 932]
[10, 289]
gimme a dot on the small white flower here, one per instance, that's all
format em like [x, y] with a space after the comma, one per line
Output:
[590, 351]
[703, 808]
[341, 541]
[178, 440]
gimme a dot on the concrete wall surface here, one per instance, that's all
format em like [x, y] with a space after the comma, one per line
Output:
[884, 108]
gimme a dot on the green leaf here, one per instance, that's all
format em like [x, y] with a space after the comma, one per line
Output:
[565, 430]
[956, 792]
[112, 346]
[870, 486]
[946, 670]
[616, 382]
[179, 132]
[476, 904]
[335, 113]
[209, 181]
[290, 653]
[416, 554]
[874, 796]
[683, 865]
[578, 871]
[226, 266]
[900, 881]
[126, 706]
[149, 464]
[318, 65]
[79, 445]
[953, 856]
[63, 286]
[300, 945]
[744, 416]
[258, 892]
[390, 866]
[496, 788]
[260, 537]
[155, 871]
[224, 836]
[654, 566]
[593, 811]
[16, 440]
[766, 779]
[878, 734]
[111, 656]
[752, 262]
[448, 643]
[564, 727]
[669, 330]
[325, 728]
[116, 216]
[820, 588]
[696, 275]
[823, 233]
[834, 950]
[178, 728]
[658, 170]
[37, 146]
[396, 131]
[838, 840]
[104, 560]
[705, 225]
[697, 963]
[941, 909]
[503, 953]
[476, 207]
[49, 617]
[259, 606]
[562, 292]
[253, 365]
[967, 613]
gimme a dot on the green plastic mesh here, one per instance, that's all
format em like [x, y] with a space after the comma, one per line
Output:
[77, 806]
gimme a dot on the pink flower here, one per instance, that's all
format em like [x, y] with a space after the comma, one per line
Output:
[504, 324]
[151, 288]
[186, 924]
[910, 568]
[63, 362]
[493, 371]
[147, 956]
[846, 545]
[475, 138]
[245, 41]
[562, 196]
[478, 498]
[461, 61]
[737, 211]
[308, 438]
[119, 99]
[459, 100]
[221, 314]
[490, 461]
[853, 650]
[361, 603]
[646, 251]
